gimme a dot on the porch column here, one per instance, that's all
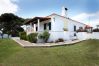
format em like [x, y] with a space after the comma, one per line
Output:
[26, 29]
[38, 24]
[30, 27]
[34, 27]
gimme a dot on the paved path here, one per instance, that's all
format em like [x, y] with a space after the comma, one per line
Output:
[28, 44]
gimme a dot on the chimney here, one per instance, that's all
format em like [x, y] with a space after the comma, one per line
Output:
[64, 11]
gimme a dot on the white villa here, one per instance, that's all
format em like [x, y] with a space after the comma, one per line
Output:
[59, 26]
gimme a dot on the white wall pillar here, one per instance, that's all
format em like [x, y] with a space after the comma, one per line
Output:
[26, 29]
[53, 23]
[34, 28]
[38, 24]
[31, 27]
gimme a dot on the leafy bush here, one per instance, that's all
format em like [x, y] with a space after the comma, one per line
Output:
[17, 31]
[59, 40]
[23, 35]
[32, 37]
[65, 29]
[96, 30]
[45, 36]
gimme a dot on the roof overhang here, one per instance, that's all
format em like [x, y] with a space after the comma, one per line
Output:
[88, 27]
[35, 19]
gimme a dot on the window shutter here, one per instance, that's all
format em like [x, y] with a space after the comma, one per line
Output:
[74, 28]
[45, 26]
[36, 28]
[49, 25]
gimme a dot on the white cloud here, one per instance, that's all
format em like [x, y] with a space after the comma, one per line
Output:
[8, 6]
[15, 0]
[88, 18]
[94, 22]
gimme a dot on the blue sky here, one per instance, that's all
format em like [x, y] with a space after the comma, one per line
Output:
[79, 10]
[29, 8]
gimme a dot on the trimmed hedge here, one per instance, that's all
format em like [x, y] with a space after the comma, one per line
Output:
[32, 37]
[23, 35]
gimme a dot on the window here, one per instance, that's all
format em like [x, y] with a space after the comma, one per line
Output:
[74, 28]
[49, 25]
[54, 19]
[80, 28]
[45, 26]
[75, 34]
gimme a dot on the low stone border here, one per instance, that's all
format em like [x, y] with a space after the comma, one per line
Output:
[26, 44]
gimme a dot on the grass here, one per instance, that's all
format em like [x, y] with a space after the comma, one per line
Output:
[85, 53]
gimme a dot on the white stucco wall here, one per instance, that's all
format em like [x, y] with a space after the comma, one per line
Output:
[72, 23]
[85, 35]
[62, 22]
[95, 35]
[58, 23]
[56, 35]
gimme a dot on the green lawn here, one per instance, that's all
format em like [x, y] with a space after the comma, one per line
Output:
[85, 53]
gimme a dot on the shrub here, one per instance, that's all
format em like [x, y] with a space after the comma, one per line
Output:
[65, 29]
[23, 35]
[15, 33]
[32, 37]
[45, 36]
[59, 40]
[96, 30]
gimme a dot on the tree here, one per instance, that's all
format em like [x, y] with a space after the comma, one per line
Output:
[97, 26]
[10, 22]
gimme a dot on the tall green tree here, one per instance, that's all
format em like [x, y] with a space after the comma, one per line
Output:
[11, 23]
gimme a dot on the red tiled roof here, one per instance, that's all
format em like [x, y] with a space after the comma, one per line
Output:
[87, 27]
[35, 19]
